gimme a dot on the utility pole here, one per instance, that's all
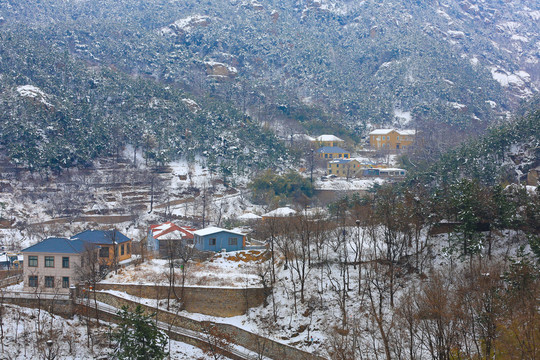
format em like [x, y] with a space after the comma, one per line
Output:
[151, 195]
[311, 167]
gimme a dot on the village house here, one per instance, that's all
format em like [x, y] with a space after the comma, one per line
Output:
[53, 265]
[328, 140]
[343, 167]
[218, 239]
[163, 238]
[10, 261]
[351, 167]
[114, 246]
[391, 139]
[383, 172]
[333, 152]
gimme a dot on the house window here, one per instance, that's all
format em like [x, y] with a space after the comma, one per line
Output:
[65, 262]
[49, 281]
[65, 282]
[339, 155]
[32, 261]
[33, 281]
[189, 241]
[233, 241]
[346, 156]
[337, 165]
[398, 137]
[326, 155]
[104, 252]
[128, 248]
[329, 171]
[122, 250]
[49, 261]
[212, 241]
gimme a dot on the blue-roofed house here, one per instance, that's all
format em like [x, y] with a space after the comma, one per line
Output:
[333, 152]
[114, 246]
[218, 239]
[52, 264]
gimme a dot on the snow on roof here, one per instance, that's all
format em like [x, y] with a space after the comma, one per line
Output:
[280, 212]
[213, 230]
[388, 131]
[169, 230]
[249, 216]
[381, 131]
[391, 169]
[328, 138]
[302, 137]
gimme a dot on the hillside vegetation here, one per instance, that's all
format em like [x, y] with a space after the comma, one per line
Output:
[189, 78]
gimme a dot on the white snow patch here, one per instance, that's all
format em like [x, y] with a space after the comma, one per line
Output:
[33, 92]
[520, 38]
[403, 117]
[456, 34]
[492, 104]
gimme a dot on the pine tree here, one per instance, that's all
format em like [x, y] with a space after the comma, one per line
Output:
[138, 337]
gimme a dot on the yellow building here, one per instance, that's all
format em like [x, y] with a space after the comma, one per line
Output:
[328, 140]
[391, 139]
[113, 245]
[333, 152]
[351, 167]
[343, 167]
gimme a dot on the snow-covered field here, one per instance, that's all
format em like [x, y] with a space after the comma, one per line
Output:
[232, 269]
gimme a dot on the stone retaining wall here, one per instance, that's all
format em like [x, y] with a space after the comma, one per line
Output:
[64, 308]
[253, 342]
[222, 302]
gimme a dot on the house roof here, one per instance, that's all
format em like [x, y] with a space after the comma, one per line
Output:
[249, 216]
[331, 150]
[302, 137]
[328, 138]
[214, 230]
[280, 212]
[101, 236]
[388, 131]
[391, 169]
[57, 245]
[168, 230]
[381, 131]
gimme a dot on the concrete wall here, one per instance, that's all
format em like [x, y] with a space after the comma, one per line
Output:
[64, 308]
[251, 341]
[223, 302]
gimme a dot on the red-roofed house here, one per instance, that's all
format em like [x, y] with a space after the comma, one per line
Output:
[165, 236]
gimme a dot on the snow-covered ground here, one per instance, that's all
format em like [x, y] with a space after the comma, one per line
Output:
[232, 269]
[26, 331]
[344, 184]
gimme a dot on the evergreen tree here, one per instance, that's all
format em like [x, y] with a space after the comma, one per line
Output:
[138, 337]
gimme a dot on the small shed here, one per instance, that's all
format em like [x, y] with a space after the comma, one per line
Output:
[218, 239]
